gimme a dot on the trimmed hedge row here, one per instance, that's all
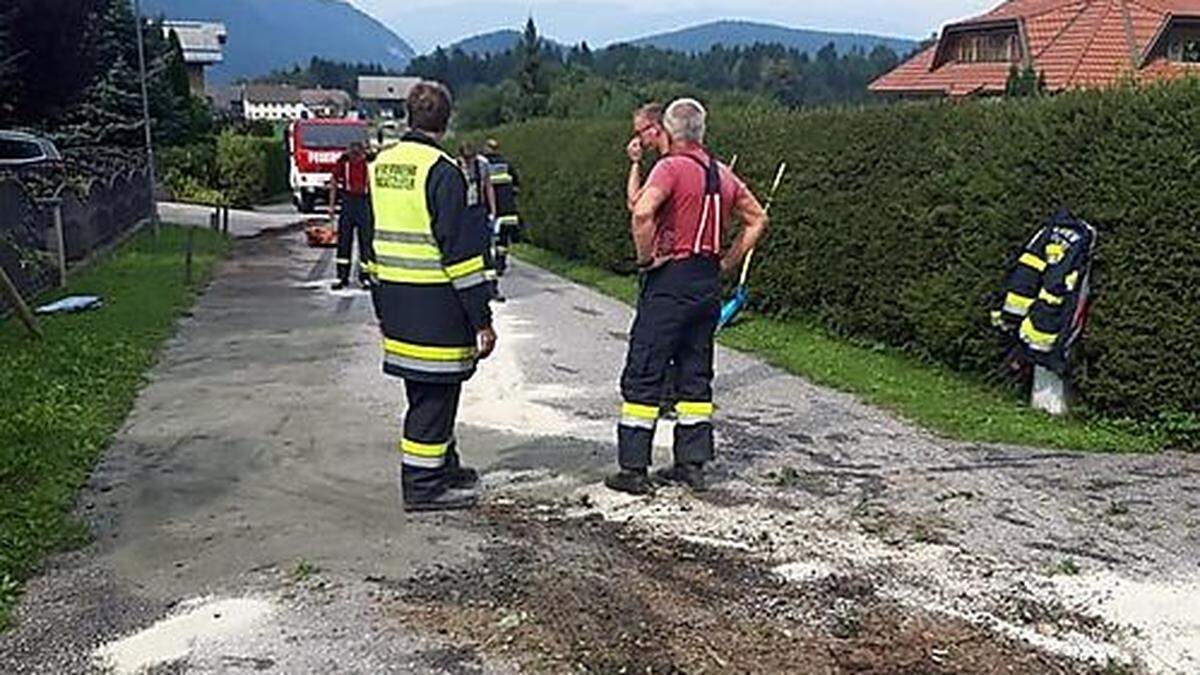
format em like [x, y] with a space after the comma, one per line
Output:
[230, 169]
[896, 224]
[250, 169]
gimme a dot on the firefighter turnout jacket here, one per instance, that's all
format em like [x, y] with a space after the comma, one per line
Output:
[430, 290]
[505, 182]
[1046, 295]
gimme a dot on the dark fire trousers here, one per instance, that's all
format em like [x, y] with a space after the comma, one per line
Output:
[429, 447]
[355, 217]
[677, 315]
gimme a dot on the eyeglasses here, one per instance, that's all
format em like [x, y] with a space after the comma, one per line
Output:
[637, 133]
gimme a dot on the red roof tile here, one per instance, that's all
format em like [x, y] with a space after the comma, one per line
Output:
[1074, 43]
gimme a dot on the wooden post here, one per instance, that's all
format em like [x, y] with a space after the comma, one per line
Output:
[9, 289]
[1049, 392]
[187, 260]
[60, 243]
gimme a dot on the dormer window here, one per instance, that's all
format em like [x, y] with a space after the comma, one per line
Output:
[993, 46]
[1183, 44]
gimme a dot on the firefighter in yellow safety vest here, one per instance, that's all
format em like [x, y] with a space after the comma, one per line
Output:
[432, 295]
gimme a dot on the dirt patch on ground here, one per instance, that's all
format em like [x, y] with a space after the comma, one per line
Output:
[592, 595]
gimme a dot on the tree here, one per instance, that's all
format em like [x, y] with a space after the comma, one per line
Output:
[111, 110]
[177, 75]
[1024, 82]
[531, 79]
[10, 68]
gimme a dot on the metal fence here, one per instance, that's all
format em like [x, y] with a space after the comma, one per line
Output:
[93, 216]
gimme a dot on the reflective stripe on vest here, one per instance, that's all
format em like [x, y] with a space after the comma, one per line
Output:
[442, 360]
[406, 251]
[499, 173]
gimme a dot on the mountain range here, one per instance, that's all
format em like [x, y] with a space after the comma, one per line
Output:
[266, 35]
[747, 33]
[494, 42]
[706, 36]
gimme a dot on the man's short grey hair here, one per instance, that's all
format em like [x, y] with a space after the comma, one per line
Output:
[686, 120]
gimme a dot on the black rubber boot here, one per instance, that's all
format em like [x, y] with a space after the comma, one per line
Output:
[497, 296]
[462, 478]
[690, 474]
[630, 482]
[341, 285]
[450, 500]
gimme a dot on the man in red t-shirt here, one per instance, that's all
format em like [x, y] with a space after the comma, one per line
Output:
[648, 134]
[351, 181]
[678, 218]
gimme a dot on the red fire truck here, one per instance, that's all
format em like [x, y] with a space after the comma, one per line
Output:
[314, 147]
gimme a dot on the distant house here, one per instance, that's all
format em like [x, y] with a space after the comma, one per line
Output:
[326, 102]
[203, 45]
[273, 102]
[386, 96]
[1071, 43]
[226, 101]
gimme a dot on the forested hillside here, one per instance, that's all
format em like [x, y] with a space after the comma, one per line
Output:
[539, 78]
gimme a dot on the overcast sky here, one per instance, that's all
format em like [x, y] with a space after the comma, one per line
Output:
[426, 23]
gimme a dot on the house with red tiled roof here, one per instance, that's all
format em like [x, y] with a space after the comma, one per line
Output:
[1070, 43]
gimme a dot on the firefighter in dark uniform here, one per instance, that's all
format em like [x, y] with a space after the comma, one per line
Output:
[507, 184]
[688, 200]
[350, 184]
[432, 296]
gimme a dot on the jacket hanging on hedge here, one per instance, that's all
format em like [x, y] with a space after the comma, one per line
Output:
[1046, 296]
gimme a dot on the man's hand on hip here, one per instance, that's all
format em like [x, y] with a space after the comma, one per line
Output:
[485, 341]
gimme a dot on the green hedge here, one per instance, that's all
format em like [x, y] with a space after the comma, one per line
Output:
[896, 223]
[250, 169]
[231, 168]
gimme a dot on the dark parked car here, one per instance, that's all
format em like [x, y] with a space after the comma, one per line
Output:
[19, 150]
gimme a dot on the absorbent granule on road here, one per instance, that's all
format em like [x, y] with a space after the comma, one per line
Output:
[173, 638]
[563, 594]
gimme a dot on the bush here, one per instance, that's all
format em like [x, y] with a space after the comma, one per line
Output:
[250, 169]
[189, 172]
[896, 224]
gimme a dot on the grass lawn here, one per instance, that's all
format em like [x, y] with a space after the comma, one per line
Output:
[65, 397]
[953, 404]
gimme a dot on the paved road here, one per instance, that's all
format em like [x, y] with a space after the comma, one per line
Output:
[242, 223]
[247, 517]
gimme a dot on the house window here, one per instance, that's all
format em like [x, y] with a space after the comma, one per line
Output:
[1183, 45]
[988, 47]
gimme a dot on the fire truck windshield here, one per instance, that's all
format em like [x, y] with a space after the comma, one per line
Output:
[332, 136]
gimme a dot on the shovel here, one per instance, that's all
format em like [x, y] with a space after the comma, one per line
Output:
[742, 295]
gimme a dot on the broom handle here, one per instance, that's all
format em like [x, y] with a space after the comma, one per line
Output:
[766, 209]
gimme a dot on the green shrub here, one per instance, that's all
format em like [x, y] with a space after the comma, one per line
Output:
[190, 172]
[250, 169]
[896, 224]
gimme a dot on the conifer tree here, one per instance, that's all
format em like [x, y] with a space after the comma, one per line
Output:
[531, 79]
[10, 68]
[111, 110]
